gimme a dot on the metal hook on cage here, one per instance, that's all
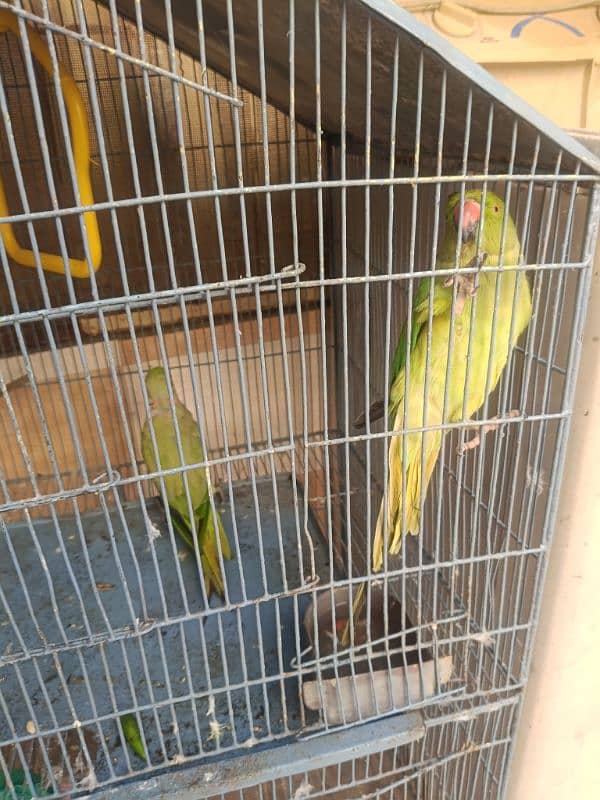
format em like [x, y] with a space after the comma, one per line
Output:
[293, 269]
[144, 625]
[296, 661]
[289, 271]
[311, 583]
[96, 485]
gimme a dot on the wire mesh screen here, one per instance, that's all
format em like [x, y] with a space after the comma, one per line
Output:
[463, 755]
[270, 183]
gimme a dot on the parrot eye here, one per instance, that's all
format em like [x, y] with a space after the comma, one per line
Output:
[496, 209]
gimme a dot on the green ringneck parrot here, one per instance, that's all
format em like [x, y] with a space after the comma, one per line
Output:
[202, 525]
[429, 350]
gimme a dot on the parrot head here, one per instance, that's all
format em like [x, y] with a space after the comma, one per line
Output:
[156, 384]
[493, 216]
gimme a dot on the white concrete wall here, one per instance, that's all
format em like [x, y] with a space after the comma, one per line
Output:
[557, 753]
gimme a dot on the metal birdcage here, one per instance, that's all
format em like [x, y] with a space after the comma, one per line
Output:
[247, 194]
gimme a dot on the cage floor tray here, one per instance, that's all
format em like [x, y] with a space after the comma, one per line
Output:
[113, 631]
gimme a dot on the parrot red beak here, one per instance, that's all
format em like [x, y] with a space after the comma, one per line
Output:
[470, 218]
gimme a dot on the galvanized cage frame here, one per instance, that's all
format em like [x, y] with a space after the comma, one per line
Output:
[266, 209]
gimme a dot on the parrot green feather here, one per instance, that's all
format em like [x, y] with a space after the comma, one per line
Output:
[133, 736]
[403, 513]
[202, 527]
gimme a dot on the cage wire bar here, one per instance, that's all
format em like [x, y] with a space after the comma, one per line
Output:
[270, 181]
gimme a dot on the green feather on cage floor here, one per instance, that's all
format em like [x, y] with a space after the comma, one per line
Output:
[133, 735]
[21, 786]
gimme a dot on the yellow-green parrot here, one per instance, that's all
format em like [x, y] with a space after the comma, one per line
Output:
[441, 361]
[404, 513]
[202, 526]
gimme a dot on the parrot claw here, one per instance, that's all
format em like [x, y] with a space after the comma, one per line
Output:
[471, 444]
[475, 440]
[466, 285]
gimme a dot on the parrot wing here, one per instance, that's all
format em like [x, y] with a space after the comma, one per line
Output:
[442, 297]
[166, 441]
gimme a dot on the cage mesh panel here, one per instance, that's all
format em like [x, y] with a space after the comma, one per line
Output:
[271, 180]
[457, 758]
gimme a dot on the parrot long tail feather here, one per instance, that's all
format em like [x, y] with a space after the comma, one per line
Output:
[204, 512]
[225, 546]
[185, 532]
[181, 527]
[212, 576]
[404, 502]
[399, 519]
[207, 541]
[399, 516]
[207, 546]
[207, 581]
[355, 610]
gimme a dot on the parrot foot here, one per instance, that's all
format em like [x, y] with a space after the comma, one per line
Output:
[466, 285]
[471, 444]
[475, 440]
